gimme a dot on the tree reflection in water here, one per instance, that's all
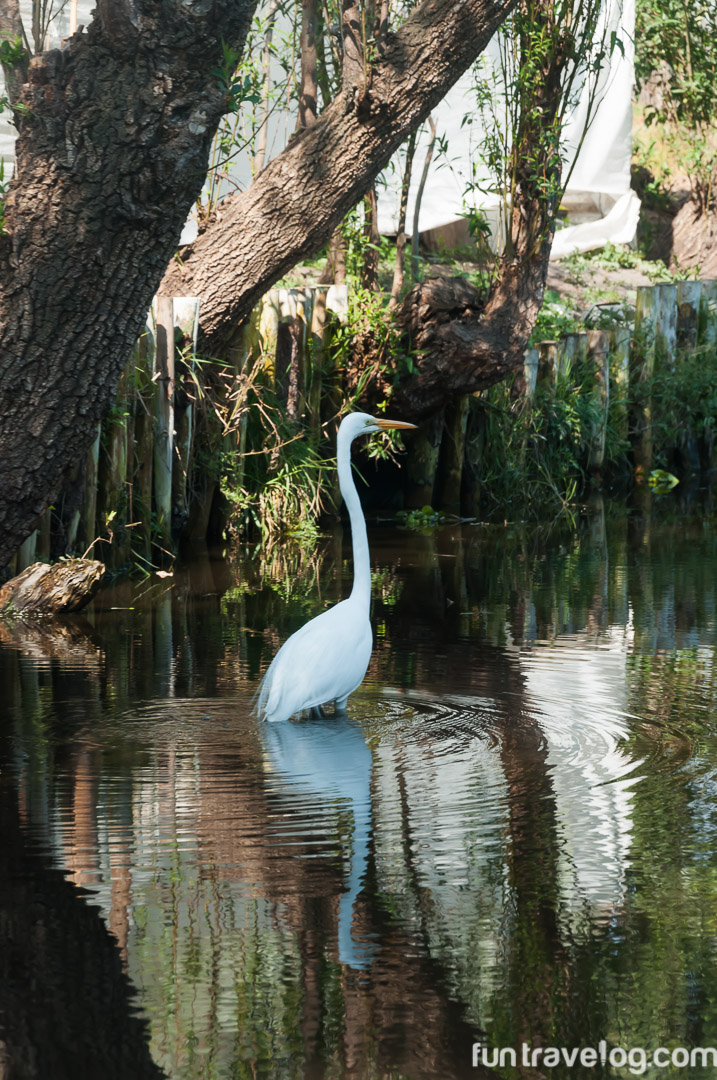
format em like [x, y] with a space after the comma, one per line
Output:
[470, 855]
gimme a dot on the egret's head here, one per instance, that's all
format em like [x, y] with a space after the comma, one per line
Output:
[362, 424]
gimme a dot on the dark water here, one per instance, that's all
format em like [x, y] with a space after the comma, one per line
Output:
[512, 838]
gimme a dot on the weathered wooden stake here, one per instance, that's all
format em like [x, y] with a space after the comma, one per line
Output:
[666, 325]
[547, 364]
[688, 318]
[317, 335]
[113, 494]
[707, 330]
[474, 443]
[423, 451]
[144, 422]
[164, 415]
[688, 313]
[43, 536]
[530, 368]
[88, 531]
[574, 351]
[598, 353]
[452, 454]
[26, 552]
[620, 374]
[642, 368]
[186, 320]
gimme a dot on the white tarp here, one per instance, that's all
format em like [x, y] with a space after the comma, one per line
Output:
[598, 193]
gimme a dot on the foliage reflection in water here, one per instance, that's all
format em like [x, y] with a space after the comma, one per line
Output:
[512, 838]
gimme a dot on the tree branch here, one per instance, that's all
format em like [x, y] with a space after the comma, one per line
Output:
[14, 60]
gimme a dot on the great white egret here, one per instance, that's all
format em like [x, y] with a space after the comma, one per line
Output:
[326, 660]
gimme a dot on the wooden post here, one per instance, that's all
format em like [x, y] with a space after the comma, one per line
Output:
[186, 319]
[269, 332]
[642, 368]
[707, 329]
[44, 537]
[423, 451]
[547, 364]
[164, 415]
[620, 373]
[88, 531]
[530, 367]
[452, 453]
[688, 319]
[113, 494]
[566, 356]
[688, 313]
[143, 463]
[598, 352]
[26, 552]
[317, 338]
[474, 443]
[666, 325]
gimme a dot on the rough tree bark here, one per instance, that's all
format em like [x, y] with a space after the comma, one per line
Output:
[112, 152]
[113, 145]
[291, 210]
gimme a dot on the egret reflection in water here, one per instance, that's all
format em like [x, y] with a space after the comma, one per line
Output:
[327, 760]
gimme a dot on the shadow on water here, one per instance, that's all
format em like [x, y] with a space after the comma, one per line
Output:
[498, 844]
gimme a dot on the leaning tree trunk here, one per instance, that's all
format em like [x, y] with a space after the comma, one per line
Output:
[114, 137]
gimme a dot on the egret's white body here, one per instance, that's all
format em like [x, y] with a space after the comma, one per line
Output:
[327, 659]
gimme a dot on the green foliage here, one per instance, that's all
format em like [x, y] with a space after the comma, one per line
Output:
[676, 45]
[676, 52]
[424, 520]
[12, 52]
[556, 318]
[684, 401]
[536, 453]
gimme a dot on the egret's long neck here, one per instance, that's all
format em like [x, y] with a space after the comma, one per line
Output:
[361, 591]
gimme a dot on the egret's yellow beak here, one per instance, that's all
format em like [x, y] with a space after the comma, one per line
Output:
[386, 425]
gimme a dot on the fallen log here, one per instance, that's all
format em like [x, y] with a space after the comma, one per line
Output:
[52, 590]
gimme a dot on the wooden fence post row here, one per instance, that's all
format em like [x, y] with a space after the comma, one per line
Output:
[139, 485]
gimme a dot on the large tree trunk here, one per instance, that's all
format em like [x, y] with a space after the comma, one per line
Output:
[112, 151]
[292, 208]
